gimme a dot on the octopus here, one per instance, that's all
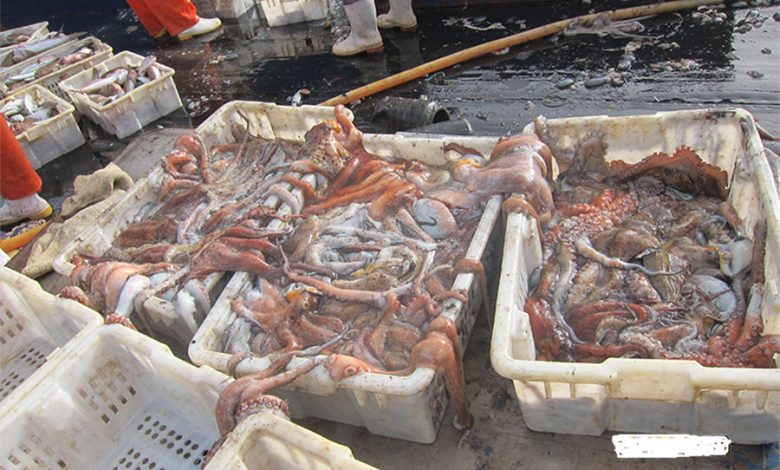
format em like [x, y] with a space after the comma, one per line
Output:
[440, 350]
[615, 284]
[682, 170]
[248, 395]
[109, 286]
[363, 258]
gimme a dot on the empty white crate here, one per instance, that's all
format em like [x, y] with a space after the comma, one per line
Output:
[282, 12]
[34, 325]
[118, 399]
[223, 8]
[646, 395]
[52, 138]
[133, 111]
[267, 441]
[410, 407]
[51, 81]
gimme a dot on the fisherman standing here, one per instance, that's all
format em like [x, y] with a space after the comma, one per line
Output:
[364, 33]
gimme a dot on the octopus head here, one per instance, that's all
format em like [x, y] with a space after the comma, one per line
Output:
[190, 144]
[340, 367]
[301, 300]
[324, 148]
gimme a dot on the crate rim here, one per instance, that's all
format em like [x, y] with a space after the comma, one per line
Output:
[608, 373]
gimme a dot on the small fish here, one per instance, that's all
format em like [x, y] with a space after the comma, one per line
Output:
[30, 106]
[77, 56]
[153, 72]
[30, 72]
[31, 48]
[132, 76]
[44, 111]
[147, 62]
[99, 99]
[12, 107]
[14, 39]
[116, 83]
[117, 76]
[113, 90]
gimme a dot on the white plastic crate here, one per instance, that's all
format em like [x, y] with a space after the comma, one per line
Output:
[133, 111]
[34, 30]
[159, 313]
[34, 325]
[268, 121]
[6, 61]
[267, 441]
[229, 9]
[646, 395]
[282, 12]
[410, 407]
[53, 137]
[51, 81]
[118, 399]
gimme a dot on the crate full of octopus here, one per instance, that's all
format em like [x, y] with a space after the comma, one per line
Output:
[372, 292]
[160, 256]
[649, 290]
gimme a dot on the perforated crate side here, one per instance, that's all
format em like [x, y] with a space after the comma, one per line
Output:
[265, 440]
[121, 400]
[33, 325]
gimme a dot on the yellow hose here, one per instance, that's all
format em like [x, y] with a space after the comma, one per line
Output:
[509, 41]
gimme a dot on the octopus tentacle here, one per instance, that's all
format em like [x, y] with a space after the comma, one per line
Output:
[585, 249]
[478, 269]
[440, 351]
[250, 388]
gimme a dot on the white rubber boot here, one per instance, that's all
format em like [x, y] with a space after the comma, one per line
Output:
[30, 207]
[399, 16]
[363, 35]
[203, 26]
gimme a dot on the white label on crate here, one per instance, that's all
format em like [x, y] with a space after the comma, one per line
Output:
[665, 446]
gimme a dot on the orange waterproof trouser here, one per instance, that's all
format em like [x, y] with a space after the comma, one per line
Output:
[18, 178]
[173, 15]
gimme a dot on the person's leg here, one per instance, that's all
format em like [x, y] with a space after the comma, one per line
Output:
[174, 15]
[400, 15]
[177, 17]
[363, 35]
[147, 18]
[19, 182]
